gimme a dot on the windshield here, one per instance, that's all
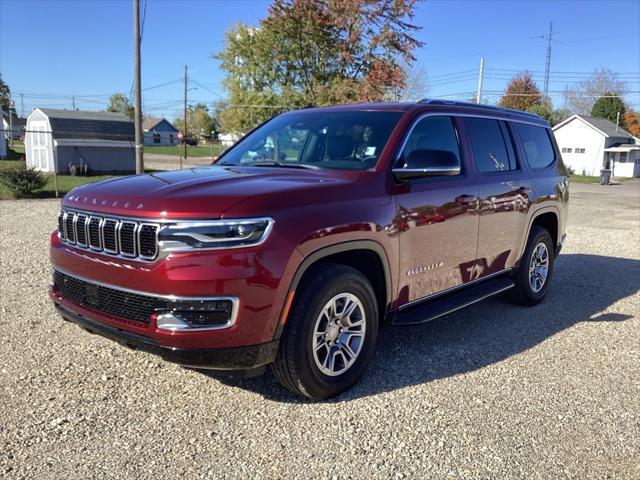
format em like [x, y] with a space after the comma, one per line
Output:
[304, 139]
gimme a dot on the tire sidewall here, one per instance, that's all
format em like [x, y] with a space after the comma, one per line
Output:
[538, 235]
[316, 383]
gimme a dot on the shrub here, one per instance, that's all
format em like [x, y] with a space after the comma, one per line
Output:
[22, 181]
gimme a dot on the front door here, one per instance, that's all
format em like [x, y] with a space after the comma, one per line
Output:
[505, 192]
[436, 217]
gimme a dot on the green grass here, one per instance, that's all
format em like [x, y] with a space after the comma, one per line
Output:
[177, 150]
[65, 182]
[583, 179]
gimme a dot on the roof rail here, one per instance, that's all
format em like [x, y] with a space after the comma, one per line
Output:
[438, 101]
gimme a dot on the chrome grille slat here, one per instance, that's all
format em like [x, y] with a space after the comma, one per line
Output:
[81, 229]
[123, 237]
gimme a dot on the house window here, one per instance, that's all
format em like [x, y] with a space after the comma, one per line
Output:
[623, 157]
[156, 138]
[569, 150]
[564, 149]
[582, 150]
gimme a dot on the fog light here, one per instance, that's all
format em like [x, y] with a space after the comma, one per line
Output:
[198, 314]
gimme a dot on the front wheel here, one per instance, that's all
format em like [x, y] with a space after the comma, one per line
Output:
[330, 333]
[533, 277]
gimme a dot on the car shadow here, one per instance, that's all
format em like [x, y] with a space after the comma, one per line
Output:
[483, 334]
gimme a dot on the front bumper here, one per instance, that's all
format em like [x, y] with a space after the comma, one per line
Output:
[237, 358]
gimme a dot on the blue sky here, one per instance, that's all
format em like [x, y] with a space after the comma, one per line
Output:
[52, 50]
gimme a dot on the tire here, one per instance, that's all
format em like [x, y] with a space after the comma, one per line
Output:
[296, 366]
[527, 291]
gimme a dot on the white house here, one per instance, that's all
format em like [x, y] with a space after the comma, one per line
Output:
[3, 141]
[590, 144]
[159, 131]
[12, 126]
[70, 140]
[228, 139]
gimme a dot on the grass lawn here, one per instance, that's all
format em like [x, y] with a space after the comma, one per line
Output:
[177, 150]
[588, 179]
[65, 182]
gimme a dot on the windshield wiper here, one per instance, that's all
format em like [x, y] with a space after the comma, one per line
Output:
[274, 163]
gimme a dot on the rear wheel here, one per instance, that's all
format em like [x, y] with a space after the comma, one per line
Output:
[533, 277]
[330, 333]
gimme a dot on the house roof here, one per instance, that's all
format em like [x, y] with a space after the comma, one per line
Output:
[604, 126]
[89, 125]
[150, 123]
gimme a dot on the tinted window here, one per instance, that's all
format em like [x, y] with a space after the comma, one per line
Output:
[432, 133]
[537, 145]
[489, 140]
[340, 140]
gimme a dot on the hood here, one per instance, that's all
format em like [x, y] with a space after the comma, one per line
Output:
[202, 192]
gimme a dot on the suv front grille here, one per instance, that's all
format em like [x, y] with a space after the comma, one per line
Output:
[118, 303]
[111, 235]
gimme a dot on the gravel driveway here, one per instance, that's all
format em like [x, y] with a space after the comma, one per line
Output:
[494, 391]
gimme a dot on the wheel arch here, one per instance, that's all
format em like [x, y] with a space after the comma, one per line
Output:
[549, 218]
[357, 254]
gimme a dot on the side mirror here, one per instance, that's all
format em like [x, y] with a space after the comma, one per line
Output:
[428, 163]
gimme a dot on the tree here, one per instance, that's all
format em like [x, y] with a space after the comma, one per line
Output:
[415, 84]
[580, 97]
[5, 96]
[609, 106]
[199, 122]
[119, 103]
[632, 122]
[316, 52]
[554, 117]
[521, 93]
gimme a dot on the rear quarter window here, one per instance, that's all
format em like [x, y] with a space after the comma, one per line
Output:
[537, 145]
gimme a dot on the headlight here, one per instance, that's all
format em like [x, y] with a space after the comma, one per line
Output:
[214, 234]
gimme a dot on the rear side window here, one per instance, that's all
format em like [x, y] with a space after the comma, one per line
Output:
[536, 144]
[491, 144]
[432, 133]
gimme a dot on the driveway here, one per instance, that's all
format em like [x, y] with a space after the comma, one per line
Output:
[494, 391]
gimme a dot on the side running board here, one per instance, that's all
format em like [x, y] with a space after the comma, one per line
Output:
[442, 305]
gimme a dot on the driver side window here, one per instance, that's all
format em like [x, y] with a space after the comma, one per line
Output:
[431, 133]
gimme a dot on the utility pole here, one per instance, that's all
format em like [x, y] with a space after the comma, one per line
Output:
[137, 87]
[22, 105]
[11, 108]
[548, 64]
[73, 103]
[184, 134]
[480, 79]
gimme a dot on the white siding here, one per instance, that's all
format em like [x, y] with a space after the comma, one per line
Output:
[577, 134]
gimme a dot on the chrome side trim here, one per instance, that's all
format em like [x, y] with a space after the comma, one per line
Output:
[235, 301]
[451, 289]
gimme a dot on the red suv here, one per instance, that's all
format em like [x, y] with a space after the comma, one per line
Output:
[310, 232]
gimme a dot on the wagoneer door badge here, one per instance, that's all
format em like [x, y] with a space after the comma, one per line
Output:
[424, 268]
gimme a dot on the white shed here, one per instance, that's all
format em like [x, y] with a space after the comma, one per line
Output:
[60, 140]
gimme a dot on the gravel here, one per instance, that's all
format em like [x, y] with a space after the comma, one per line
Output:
[495, 391]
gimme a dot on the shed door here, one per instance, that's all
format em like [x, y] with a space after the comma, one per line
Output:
[40, 146]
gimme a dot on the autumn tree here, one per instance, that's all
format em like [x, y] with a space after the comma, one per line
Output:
[580, 97]
[316, 52]
[632, 122]
[609, 106]
[521, 93]
[119, 103]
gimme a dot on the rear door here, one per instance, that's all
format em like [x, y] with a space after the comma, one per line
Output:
[505, 192]
[436, 219]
